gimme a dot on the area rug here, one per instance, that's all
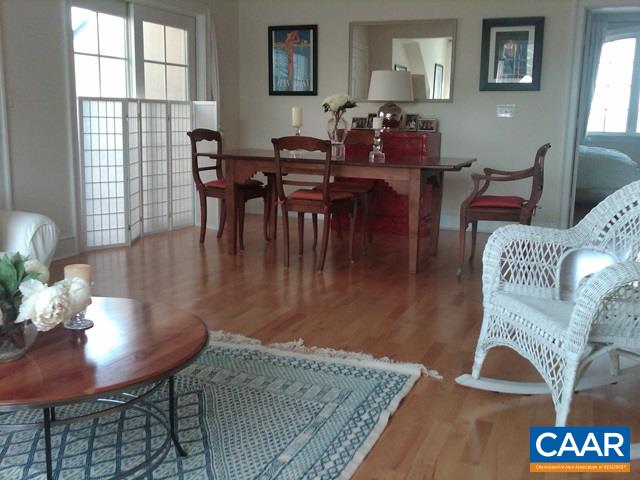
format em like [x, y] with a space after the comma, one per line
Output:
[246, 412]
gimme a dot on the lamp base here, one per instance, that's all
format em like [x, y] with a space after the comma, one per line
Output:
[391, 114]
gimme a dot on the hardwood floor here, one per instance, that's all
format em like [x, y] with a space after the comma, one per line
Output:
[441, 430]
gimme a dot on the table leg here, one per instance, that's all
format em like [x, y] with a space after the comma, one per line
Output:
[436, 183]
[173, 418]
[47, 442]
[232, 207]
[415, 194]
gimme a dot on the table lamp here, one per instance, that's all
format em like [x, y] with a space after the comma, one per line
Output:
[390, 86]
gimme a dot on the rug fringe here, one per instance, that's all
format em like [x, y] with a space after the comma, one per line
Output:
[298, 346]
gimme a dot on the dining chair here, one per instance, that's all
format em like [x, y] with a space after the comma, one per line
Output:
[216, 188]
[313, 200]
[504, 208]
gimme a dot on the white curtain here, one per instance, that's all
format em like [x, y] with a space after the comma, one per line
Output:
[596, 35]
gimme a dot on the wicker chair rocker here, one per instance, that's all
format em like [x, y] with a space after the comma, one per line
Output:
[527, 307]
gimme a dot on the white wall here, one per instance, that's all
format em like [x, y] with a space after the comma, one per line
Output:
[469, 125]
[38, 111]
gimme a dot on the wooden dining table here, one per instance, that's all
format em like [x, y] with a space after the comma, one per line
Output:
[409, 178]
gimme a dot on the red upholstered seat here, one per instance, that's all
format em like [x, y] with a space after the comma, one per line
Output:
[221, 183]
[497, 201]
[316, 195]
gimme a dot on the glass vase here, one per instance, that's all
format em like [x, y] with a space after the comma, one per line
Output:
[16, 339]
[337, 129]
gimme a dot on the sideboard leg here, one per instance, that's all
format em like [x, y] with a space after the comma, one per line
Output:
[47, 442]
[173, 419]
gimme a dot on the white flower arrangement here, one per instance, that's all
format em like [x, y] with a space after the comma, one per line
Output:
[24, 295]
[338, 103]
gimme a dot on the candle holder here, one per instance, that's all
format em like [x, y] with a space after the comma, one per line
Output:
[298, 130]
[78, 321]
[376, 155]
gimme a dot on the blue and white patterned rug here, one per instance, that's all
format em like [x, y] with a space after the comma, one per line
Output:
[245, 412]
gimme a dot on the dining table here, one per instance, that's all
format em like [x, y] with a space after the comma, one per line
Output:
[408, 177]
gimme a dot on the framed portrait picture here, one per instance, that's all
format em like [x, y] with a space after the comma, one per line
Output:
[411, 121]
[359, 122]
[511, 53]
[428, 125]
[293, 60]
[370, 118]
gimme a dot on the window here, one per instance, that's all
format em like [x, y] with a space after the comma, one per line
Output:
[614, 107]
[100, 53]
[162, 43]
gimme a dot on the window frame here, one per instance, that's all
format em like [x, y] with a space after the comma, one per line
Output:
[140, 14]
[632, 128]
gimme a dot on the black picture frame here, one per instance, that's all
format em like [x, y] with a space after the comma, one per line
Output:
[305, 33]
[495, 31]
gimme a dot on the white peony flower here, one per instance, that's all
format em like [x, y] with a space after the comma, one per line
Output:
[52, 307]
[335, 103]
[79, 293]
[35, 266]
[29, 290]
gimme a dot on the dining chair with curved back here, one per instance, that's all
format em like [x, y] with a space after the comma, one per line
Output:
[216, 188]
[320, 199]
[504, 208]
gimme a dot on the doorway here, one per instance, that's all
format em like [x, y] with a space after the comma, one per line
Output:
[608, 147]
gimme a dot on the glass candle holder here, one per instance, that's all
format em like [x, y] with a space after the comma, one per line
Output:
[376, 155]
[78, 321]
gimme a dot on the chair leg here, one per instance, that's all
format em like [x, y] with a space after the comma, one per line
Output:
[203, 215]
[474, 237]
[462, 239]
[314, 220]
[274, 216]
[325, 240]
[338, 218]
[267, 215]
[300, 233]
[370, 207]
[241, 223]
[285, 234]
[222, 216]
[352, 229]
[365, 222]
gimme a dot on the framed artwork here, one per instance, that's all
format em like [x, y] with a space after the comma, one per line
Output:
[428, 125]
[359, 122]
[438, 79]
[293, 60]
[370, 118]
[411, 121]
[401, 68]
[511, 53]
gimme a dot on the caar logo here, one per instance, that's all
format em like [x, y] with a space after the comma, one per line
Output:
[579, 449]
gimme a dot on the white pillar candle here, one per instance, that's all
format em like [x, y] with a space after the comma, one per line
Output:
[81, 270]
[377, 123]
[296, 117]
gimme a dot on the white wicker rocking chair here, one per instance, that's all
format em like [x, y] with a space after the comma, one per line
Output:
[523, 309]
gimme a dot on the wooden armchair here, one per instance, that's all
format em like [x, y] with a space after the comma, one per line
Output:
[323, 200]
[216, 188]
[503, 208]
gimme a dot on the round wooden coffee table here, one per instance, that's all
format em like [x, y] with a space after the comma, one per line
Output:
[132, 345]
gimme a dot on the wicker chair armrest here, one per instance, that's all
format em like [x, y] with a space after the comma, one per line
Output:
[524, 259]
[609, 304]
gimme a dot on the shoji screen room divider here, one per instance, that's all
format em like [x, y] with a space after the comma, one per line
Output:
[135, 168]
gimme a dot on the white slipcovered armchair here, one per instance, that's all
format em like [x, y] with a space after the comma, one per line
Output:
[30, 234]
[523, 308]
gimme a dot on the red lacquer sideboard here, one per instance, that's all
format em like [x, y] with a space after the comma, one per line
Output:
[391, 209]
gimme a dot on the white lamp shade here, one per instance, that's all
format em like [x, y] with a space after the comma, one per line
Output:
[390, 86]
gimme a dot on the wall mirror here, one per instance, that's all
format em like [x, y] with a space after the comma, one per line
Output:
[424, 48]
